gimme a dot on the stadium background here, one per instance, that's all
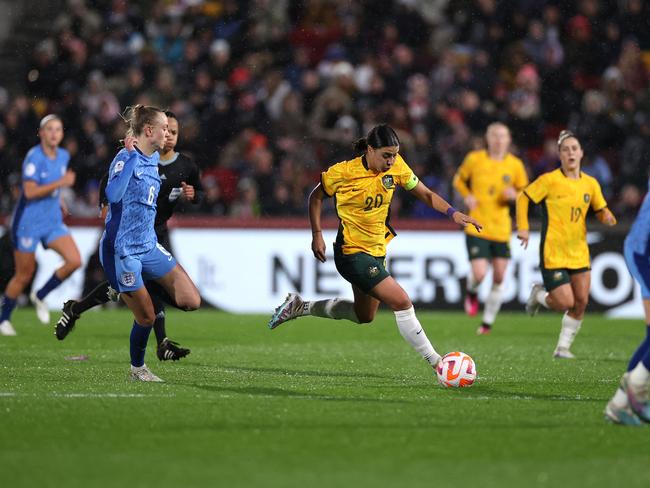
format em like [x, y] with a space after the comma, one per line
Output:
[269, 93]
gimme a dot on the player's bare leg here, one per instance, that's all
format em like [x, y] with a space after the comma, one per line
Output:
[572, 319]
[478, 270]
[495, 297]
[25, 263]
[181, 289]
[67, 249]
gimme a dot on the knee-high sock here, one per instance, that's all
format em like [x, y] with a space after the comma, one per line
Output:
[333, 308]
[640, 375]
[98, 296]
[411, 330]
[570, 328]
[139, 338]
[51, 284]
[493, 303]
[643, 348]
[8, 305]
[472, 284]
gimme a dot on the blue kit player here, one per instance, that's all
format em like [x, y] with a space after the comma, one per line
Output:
[38, 218]
[630, 405]
[129, 250]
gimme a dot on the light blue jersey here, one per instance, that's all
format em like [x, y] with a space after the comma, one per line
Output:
[637, 248]
[40, 219]
[132, 189]
[638, 239]
[44, 211]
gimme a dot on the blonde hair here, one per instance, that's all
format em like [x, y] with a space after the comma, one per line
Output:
[564, 135]
[137, 116]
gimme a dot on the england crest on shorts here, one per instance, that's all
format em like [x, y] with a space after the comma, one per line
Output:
[128, 279]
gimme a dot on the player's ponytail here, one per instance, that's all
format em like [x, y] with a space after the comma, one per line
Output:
[137, 116]
[379, 136]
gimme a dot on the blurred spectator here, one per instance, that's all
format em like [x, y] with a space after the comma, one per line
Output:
[270, 92]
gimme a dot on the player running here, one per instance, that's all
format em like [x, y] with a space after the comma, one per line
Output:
[364, 187]
[129, 251]
[630, 402]
[566, 195]
[179, 181]
[489, 181]
[38, 218]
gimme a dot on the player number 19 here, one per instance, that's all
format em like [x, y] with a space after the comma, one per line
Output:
[576, 213]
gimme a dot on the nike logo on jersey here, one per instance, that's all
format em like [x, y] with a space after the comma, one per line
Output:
[139, 174]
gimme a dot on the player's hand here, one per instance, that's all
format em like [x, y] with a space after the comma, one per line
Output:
[188, 192]
[465, 220]
[523, 236]
[318, 246]
[68, 178]
[606, 217]
[509, 194]
[470, 202]
[130, 142]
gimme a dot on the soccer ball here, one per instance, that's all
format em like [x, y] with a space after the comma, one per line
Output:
[456, 369]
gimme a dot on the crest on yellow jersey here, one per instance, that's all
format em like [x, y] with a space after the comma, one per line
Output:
[587, 197]
[507, 179]
[388, 181]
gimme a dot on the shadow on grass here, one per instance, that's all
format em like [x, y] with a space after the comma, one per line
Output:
[320, 374]
[263, 391]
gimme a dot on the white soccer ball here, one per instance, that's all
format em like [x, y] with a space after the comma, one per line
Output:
[456, 369]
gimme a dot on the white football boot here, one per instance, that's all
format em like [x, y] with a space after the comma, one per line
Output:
[42, 312]
[143, 373]
[6, 329]
[290, 309]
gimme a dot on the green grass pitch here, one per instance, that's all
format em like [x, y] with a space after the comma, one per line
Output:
[315, 403]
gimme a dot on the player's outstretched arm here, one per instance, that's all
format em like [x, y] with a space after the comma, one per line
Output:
[436, 202]
[315, 209]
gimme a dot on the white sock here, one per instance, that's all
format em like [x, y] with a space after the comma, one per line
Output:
[493, 303]
[541, 298]
[570, 328]
[472, 284]
[619, 399]
[640, 375]
[411, 330]
[333, 308]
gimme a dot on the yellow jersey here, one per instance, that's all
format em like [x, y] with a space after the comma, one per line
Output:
[565, 203]
[362, 202]
[486, 179]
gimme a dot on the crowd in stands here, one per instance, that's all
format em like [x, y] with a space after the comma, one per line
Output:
[268, 93]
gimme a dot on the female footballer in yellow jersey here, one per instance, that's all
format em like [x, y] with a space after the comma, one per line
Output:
[364, 187]
[489, 180]
[566, 195]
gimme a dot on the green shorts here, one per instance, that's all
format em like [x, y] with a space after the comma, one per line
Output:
[361, 269]
[559, 276]
[478, 248]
